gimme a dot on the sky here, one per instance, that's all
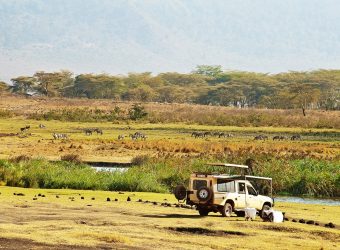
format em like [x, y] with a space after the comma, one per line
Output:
[117, 37]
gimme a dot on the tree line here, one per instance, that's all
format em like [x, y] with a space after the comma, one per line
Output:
[209, 85]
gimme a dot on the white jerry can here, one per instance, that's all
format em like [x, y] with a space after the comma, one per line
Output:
[250, 213]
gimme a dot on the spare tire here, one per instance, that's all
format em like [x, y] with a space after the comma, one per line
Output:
[204, 194]
[180, 192]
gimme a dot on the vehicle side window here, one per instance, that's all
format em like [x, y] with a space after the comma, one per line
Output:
[241, 188]
[225, 185]
[197, 184]
[251, 190]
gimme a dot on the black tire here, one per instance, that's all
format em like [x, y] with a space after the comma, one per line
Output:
[180, 192]
[203, 212]
[265, 207]
[204, 194]
[227, 210]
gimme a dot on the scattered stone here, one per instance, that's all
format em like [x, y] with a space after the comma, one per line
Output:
[177, 205]
[57, 196]
[286, 219]
[330, 225]
[89, 205]
[93, 198]
[39, 194]
[302, 221]
[43, 195]
[83, 222]
[14, 194]
[82, 198]
[128, 198]
[293, 220]
[310, 222]
[120, 193]
[116, 199]
[20, 194]
[155, 203]
[140, 200]
[169, 205]
[35, 198]
[316, 224]
[108, 199]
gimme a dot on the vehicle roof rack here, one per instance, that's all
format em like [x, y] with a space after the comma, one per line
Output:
[228, 165]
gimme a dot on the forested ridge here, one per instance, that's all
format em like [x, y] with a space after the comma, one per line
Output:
[209, 85]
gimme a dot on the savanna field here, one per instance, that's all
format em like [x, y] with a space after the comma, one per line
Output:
[179, 139]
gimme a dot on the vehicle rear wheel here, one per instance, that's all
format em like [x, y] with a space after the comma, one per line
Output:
[203, 212]
[226, 210]
[264, 208]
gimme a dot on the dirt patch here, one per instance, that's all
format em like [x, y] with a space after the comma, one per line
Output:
[17, 243]
[327, 235]
[7, 134]
[205, 231]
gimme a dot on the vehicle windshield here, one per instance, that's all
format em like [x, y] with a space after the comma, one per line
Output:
[251, 190]
[197, 184]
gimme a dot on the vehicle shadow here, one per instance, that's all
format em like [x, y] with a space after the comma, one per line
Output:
[186, 216]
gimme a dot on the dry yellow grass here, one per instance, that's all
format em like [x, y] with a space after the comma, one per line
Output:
[60, 223]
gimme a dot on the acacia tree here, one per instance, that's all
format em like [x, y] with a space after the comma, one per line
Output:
[53, 84]
[24, 84]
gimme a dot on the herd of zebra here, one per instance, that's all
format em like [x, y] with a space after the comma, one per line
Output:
[278, 137]
[207, 134]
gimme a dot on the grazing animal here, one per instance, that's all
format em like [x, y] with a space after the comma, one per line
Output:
[98, 130]
[143, 137]
[59, 136]
[121, 137]
[261, 137]
[25, 128]
[205, 134]
[88, 131]
[279, 138]
[42, 126]
[296, 137]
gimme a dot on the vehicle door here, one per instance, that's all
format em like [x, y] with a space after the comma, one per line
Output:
[223, 188]
[240, 200]
[252, 199]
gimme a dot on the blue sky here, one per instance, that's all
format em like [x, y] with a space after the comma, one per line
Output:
[116, 36]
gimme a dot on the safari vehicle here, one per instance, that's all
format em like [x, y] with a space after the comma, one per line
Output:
[212, 192]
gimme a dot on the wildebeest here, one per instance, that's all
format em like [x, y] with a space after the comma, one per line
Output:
[59, 136]
[137, 135]
[25, 128]
[88, 131]
[296, 137]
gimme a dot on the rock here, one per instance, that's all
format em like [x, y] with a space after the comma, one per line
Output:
[331, 225]
[83, 222]
[116, 199]
[293, 220]
[20, 194]
[310, 222]
[108, 199]
[286, 219]
[120, 193]
[140, 200]
[302, 221]
[155, 203]
[35, 198]
[93, 198]
[316, 224]
[128, 198]
[82, 198]
[43, 195]
[39, 194]
[57, 196]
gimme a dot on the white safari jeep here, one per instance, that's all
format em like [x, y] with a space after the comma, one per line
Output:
[224, 193]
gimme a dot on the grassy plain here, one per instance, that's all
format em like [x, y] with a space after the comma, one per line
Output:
[61, 223]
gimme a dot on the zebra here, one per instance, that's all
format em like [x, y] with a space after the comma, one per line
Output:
[98, 130]
[42, 126]
[279, 138]
[143, 137]
[59, 136]
[261, 137]
[88, 131]
[296, 137]
[121, 137]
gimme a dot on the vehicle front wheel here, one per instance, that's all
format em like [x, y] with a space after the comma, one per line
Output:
[203, 212]
[226, 210]
[264, 208]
